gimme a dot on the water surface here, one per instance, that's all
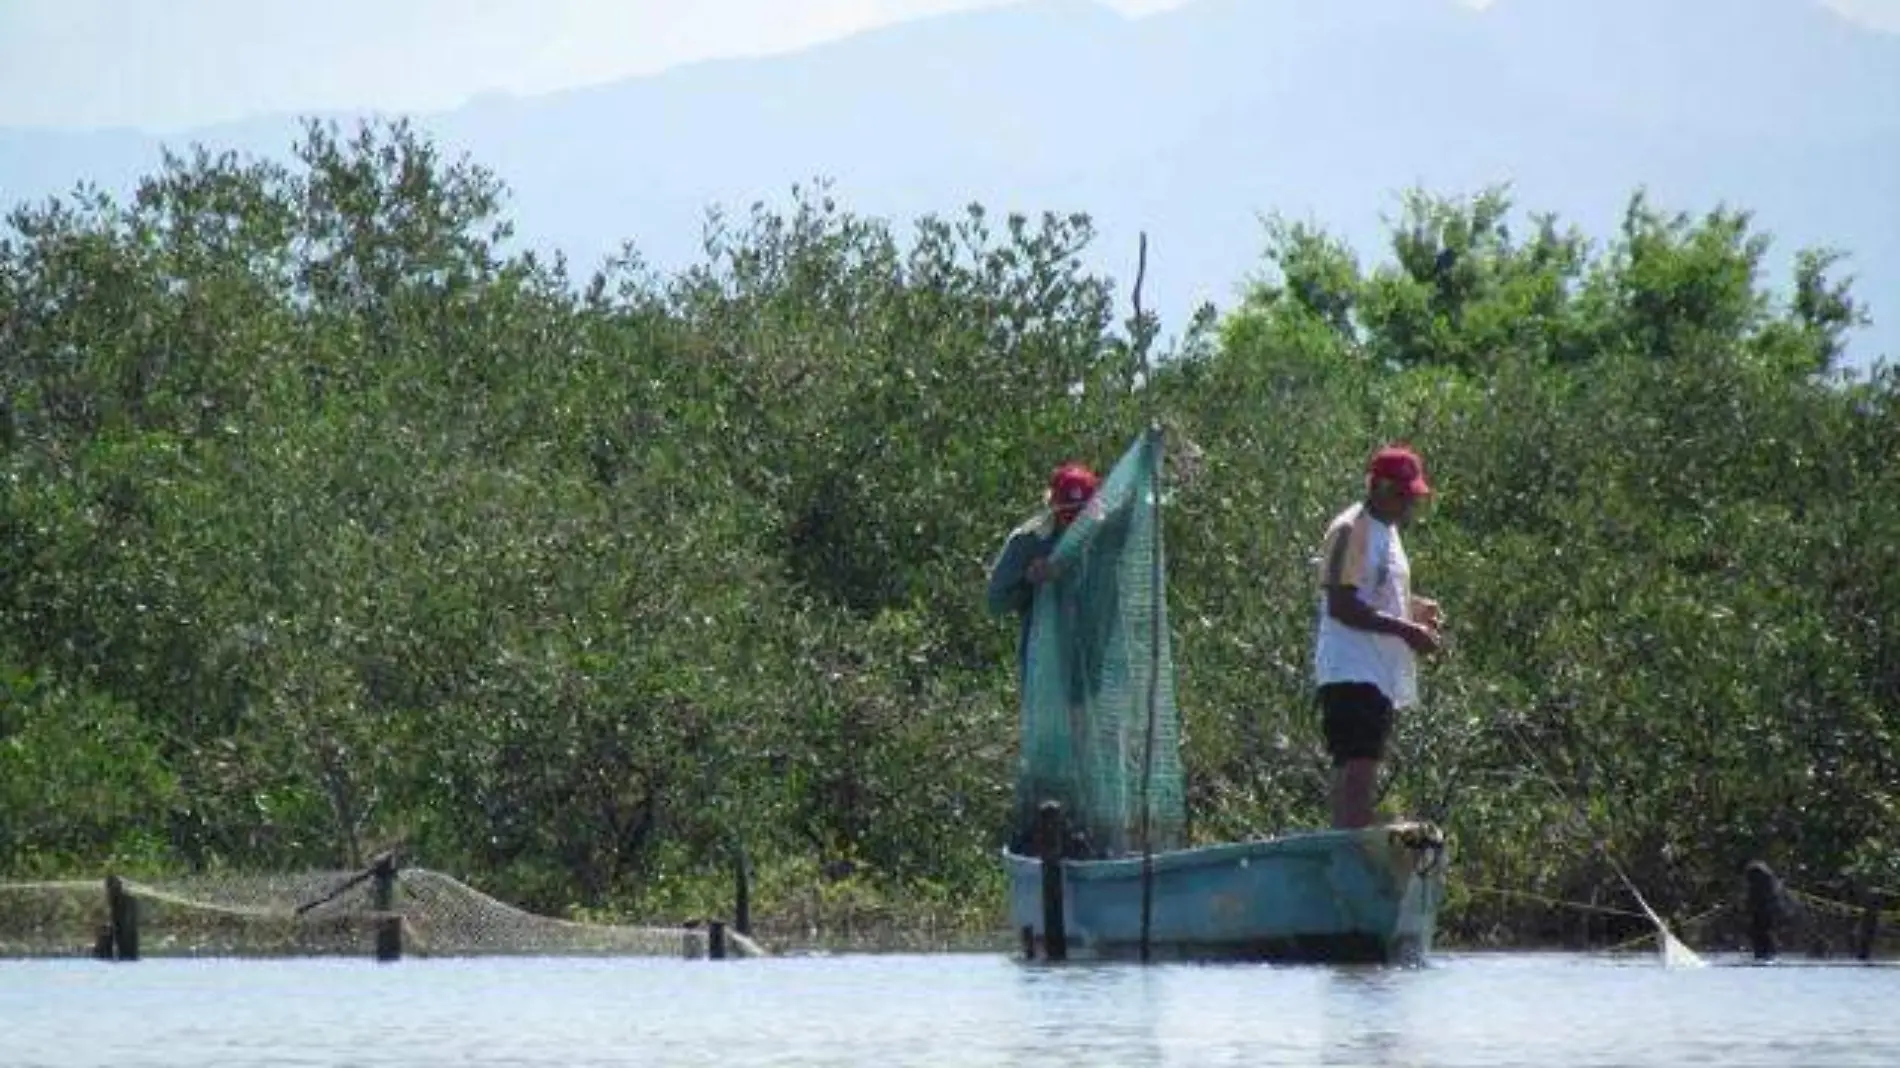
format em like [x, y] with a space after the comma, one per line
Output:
[939, 1010]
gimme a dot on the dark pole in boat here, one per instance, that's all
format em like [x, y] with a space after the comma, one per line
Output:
[1055, 936]
[1155, 594]
[1154, 684]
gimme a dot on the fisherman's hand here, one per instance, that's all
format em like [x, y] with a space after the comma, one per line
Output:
[1426, 611]
[1423, 639]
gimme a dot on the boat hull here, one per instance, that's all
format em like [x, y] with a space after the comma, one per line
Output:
[1368, 895]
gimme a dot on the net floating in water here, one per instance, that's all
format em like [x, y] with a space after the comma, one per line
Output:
[325, 913]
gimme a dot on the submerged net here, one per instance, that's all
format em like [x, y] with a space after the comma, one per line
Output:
[1098, 666]
[324, 913]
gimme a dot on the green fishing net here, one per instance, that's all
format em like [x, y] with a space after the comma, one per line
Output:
[1100, 730]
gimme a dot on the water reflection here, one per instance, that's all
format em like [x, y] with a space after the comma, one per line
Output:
[1365, 1018]
[1211, 1015]
[1079, 1009]
[1207, 1015]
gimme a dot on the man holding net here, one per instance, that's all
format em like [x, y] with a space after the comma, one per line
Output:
[1024, 560]
[1371, 629]
[1023, 566]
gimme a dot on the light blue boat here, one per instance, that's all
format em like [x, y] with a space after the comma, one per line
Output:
[1100, 774]
[1369, 895]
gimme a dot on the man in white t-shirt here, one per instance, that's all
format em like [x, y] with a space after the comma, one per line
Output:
[1371, 629]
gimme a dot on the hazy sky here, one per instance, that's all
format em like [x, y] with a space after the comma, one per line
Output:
[165, 64]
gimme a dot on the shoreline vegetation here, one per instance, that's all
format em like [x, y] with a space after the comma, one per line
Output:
[331, 524]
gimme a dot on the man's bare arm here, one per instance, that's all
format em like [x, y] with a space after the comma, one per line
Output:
[1344, 605]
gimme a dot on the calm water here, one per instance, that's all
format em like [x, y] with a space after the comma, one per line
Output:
[1515, 1009]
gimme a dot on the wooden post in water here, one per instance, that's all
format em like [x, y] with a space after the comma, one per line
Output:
[1055, 935]
[388, 924]
[716, 940]
[1869, 927]
[1764, 909]
[741, 891]
[123, 909]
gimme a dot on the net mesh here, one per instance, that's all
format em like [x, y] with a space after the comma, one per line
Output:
[1098, 658]
[322, 913]
[50, 918]
[1819, 928]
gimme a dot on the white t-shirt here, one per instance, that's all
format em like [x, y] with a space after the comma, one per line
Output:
[1361, 552]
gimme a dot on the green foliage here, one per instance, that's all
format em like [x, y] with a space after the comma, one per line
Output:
[82, 780]
[331, 523]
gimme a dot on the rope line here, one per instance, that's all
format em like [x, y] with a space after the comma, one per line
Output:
[1650, 936]
[1840, 908]
[1606, 910]
[62, 886]
[1668, 941]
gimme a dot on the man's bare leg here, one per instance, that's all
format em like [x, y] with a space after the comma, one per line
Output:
[1352, 793]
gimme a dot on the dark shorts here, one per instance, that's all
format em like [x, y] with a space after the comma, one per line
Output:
[1357, 717]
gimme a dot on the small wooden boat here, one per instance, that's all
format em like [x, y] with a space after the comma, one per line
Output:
[1100, 785]
[1353, 896]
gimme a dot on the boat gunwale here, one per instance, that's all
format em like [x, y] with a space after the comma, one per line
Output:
[1302, 844]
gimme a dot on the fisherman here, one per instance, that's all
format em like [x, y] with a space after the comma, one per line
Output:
[1023, 563]
[1020, 569]
[1371, 629]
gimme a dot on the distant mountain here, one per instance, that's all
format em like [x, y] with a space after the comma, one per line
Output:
[1194, 123]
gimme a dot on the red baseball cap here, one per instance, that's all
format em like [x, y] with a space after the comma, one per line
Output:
[1071, 487]
[1400, 465]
